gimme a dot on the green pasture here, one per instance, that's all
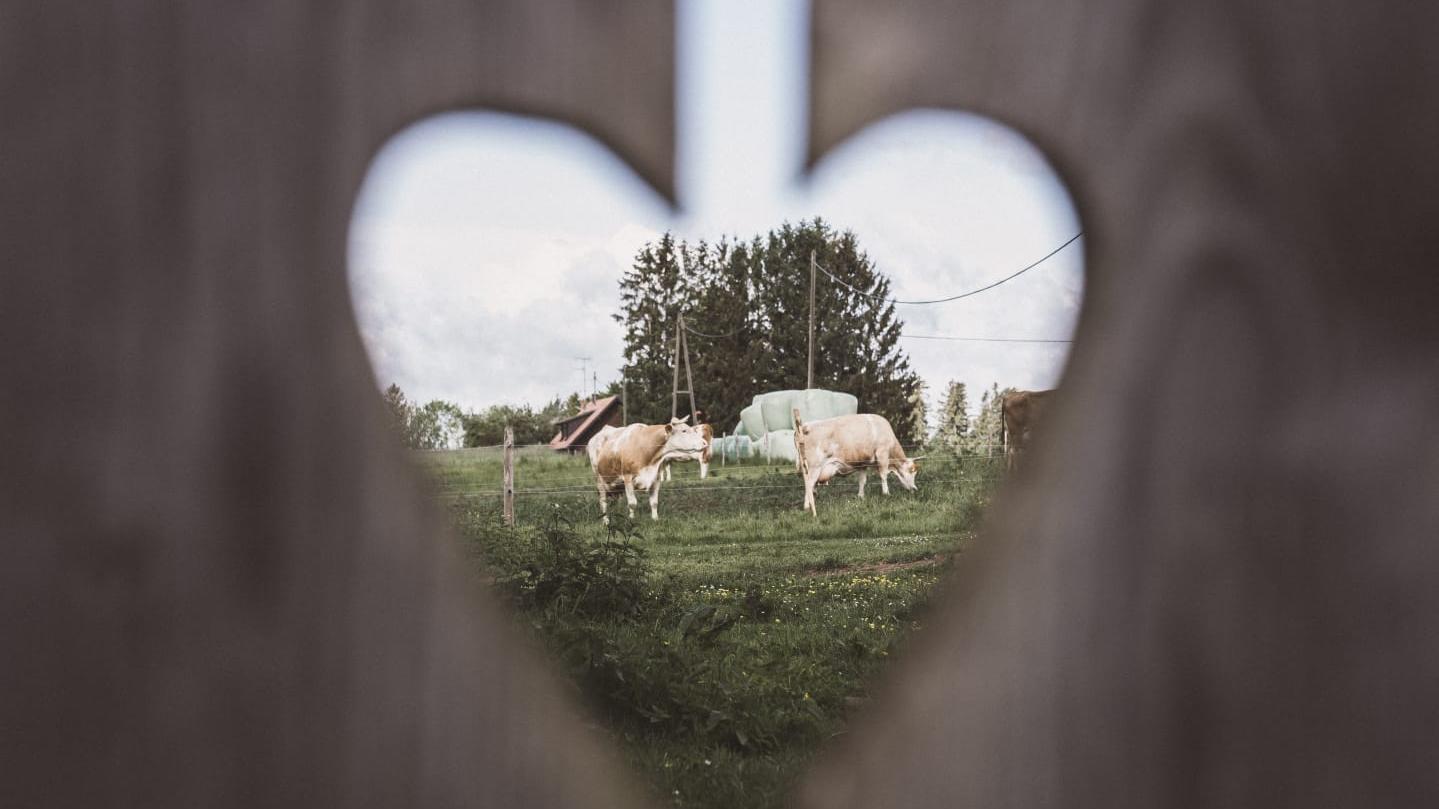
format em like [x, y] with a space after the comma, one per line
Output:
[726, 643]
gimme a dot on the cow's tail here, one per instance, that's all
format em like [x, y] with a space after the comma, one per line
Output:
[799, 460]
[1003, 429]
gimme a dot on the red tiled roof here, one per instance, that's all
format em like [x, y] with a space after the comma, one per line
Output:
[594, 412]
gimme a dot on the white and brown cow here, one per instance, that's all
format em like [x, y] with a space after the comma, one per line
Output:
[846, 444]
[635, 455]
[1019, 412]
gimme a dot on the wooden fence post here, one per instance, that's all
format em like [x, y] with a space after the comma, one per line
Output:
[509, 476]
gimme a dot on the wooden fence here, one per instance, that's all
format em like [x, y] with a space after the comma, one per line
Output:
[1214, 587]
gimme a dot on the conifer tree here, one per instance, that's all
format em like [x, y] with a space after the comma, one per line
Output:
[954, 430]
[857, 330]
[746, 311]
[652, 293]
[919, 414]
[721, 333]
[986, 438]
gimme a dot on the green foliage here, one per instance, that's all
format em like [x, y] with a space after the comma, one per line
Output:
[486, 428]
[857, 332]
[954, 432]
[747, 307]
[726, 643]
[553, 568]
[919, 413]
[435, 425]
[652, 293]
[985, 437]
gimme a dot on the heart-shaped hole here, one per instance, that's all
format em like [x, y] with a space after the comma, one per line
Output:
[725, 642]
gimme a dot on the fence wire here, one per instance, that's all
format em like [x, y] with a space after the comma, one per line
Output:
[686, 480]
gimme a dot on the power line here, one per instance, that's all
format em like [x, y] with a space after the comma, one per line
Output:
[971, 292]
[985, 288]
[982, 339]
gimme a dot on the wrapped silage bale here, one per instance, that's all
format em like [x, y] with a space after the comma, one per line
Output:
[779, 446]
[826, 404]
[735, 447]
[752, 420]
[778, 407]
[769, 420]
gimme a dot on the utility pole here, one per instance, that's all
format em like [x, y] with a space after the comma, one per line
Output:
[624, 401]
[682, 353]
[809, 381]
[689, 379]
[675, 386]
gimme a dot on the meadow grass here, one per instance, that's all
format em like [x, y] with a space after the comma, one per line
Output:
[724, 644]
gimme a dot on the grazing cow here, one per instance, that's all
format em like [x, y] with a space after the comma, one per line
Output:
[704, 458]
[635, 455]
[845, 444]
[1019, 412]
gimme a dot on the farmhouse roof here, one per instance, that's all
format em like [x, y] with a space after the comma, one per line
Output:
[592, 416]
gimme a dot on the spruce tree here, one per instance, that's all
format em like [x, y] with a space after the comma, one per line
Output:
[856, 332]
[723, 340]
[652, 293]
[987, 438]
[954, 429]
[746, 308]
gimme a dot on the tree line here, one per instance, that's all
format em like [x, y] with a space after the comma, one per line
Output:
[962, 434]
[746, 306]
[439, 424]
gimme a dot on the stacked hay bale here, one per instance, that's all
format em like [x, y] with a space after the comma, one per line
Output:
[766, 427]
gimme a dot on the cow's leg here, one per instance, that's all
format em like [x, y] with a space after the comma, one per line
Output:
[863, 479]
[884, 475]
[630, 494]
[810, 481]
[604, 499]
[704, 468]
[655, 500]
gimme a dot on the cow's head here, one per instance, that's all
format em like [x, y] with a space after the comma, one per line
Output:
[683, 439]
[907, 470]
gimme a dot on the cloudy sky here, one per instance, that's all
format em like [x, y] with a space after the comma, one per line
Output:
[486, 249]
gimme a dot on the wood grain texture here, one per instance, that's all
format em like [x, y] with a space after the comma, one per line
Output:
[221, 586]
[1214, 585]
[220, 582]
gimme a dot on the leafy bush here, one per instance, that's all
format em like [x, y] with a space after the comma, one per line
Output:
[554, 568]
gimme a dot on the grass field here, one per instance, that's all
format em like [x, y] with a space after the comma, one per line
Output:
[726, 643]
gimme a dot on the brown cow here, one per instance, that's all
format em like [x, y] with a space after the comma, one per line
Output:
[846, 444]
[635, 455]
[1019, 412]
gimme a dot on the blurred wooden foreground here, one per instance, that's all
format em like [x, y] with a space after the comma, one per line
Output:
[220, 585]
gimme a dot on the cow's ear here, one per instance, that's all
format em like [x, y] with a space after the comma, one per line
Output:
[670, 428]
